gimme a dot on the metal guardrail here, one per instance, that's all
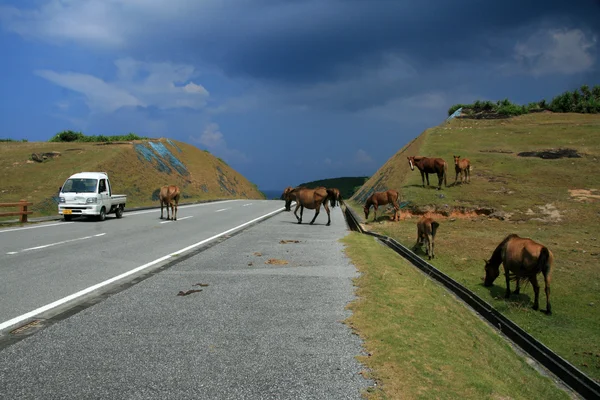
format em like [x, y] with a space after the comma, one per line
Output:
[565, 371]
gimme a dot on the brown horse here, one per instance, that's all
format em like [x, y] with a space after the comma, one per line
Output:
[336, 197]
[523, 260]
[311, 199]
[428, 166]
[462, 167]
[380, 199]
[426, 228]
[169, 197]
[288, 203]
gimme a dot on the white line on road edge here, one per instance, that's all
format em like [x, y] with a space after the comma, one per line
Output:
[34, 227]
[57, 243]
[222, 209]
[64, 300]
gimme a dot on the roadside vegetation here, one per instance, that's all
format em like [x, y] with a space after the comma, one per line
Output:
[72, 136]
[424, 343]
[346, 185]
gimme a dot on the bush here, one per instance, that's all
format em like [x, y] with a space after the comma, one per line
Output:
[70, 136]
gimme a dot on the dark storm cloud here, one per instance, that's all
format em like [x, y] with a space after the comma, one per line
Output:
[308, 41]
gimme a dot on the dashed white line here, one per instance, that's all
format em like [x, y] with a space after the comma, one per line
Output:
[223, 209]
[57, 243]
[179, 208]
[247, 204]
[66, 299]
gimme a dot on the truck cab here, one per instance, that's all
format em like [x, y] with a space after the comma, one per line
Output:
[89, 194]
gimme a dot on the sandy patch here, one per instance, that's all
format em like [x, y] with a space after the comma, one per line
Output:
[550, 212]
[587, 195]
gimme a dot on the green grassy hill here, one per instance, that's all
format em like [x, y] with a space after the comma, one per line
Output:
[136, 168]
[346, 185]
[553, 201]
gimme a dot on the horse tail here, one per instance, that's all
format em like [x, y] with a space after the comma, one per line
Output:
[434, 226]
[445, 173]
[330, 197]
[543, 264]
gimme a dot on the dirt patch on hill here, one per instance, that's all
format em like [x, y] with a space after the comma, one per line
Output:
[585, 195]
[551, 154]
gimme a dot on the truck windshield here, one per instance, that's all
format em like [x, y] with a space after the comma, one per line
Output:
[80, 185]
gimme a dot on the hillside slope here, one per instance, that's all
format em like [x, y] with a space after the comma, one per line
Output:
[554, 201]
[137, 169]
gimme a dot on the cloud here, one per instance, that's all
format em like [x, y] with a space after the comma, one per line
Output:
[362, 157]
[555, 51]
[163, 85]
[213, 139]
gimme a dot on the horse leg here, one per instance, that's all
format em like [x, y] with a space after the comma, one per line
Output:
[328, 215]
[547, 290]
[175, 218]
[301, 213]
[456, 177]
[317, 210]
[423, 178]
[374, 212]
[431, 244]
[507, 294]
[161, 209]
[536, 292]
[427, 177]
[518, 288]
[295, 212]
[440, 179]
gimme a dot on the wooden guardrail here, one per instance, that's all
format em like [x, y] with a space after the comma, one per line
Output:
[22, 212]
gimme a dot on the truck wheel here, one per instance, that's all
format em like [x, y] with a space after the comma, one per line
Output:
[67, 217]
[102, 215]
[119, 211]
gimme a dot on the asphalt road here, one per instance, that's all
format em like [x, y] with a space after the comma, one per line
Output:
[258, 330]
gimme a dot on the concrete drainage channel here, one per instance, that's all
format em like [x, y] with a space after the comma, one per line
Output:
[565, 371]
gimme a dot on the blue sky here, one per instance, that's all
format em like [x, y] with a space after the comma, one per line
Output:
[284, 91]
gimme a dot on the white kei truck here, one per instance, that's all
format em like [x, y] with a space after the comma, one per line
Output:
[89, 194]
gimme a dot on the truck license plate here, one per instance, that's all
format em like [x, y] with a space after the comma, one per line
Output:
[67, 212]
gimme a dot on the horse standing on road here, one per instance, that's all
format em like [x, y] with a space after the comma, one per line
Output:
[311, 199]
[169, 197]
[428, 166]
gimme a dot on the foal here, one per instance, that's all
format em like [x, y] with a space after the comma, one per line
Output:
[426, 228]
[462, 167]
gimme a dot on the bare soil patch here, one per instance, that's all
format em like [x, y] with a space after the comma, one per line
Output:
[585, 195]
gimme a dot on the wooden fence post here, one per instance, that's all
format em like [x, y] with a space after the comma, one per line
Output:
[23, 218]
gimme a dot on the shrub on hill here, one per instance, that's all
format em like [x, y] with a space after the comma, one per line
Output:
[582, 100]
[72, 136]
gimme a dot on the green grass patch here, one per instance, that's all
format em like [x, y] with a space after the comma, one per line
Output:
[424, 343]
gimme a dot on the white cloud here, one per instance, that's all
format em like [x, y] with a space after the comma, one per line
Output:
[555, 51]
[213, 139]
[163, 85]
[362, 157]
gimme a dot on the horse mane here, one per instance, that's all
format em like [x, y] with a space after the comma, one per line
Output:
[418, 158]
[496, 258]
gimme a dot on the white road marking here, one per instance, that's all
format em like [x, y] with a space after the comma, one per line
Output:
[57, 243]
[223, 209]
[248, 204]
[85, 291]
[34, 227]
[178, 219]
[178, 208]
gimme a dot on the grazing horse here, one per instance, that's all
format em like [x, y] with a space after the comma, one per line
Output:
[523, 260]
[311, 199]
[288, 203]
[169, 197]
[428, 166]
[336, 197]
[382, 198]
[462, 167]
[426, 228]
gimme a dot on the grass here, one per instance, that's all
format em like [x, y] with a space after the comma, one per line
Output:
[209, 178]
[523, 188]
[424, 343]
